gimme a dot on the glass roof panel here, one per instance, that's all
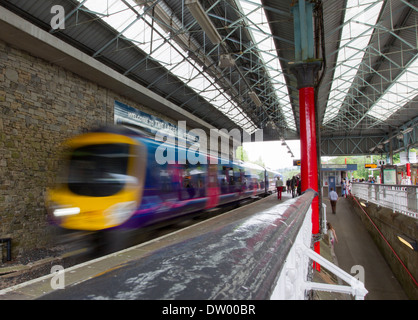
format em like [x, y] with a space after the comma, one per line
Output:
[167, 53]
[359, 21]
[260, 29]
[398, 94]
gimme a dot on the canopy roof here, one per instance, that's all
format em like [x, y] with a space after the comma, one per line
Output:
[240, 77]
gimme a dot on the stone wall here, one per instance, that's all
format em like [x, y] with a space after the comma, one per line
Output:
[41, 104]
[391, 224]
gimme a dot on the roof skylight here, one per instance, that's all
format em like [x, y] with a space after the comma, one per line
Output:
[359, 21]
[260, 30]
[169, 54]
[401, 91]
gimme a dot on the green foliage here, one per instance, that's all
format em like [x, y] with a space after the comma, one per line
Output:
[241, 154]
[396, 158]
[288, 174]
[259, 161]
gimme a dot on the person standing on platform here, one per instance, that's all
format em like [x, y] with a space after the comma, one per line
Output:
[333, 197]
[279, 186]
[344, 189]
[288, 185]
[293, 186]
[332, 236]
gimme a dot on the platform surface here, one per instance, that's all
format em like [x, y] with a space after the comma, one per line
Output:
[356, 247]
[130, 259]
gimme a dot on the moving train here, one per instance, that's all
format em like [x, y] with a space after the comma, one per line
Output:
[112, 180]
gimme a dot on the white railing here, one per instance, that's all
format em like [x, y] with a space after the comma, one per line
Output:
[293, 282]
[399, 198]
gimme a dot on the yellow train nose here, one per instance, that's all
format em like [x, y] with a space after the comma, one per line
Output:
[103, 183]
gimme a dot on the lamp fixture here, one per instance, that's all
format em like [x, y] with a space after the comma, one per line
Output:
[62, 212]
[386, 141]
[408, 130]
[255, 98]
[226, 60]
[203, 20]
[410, 243]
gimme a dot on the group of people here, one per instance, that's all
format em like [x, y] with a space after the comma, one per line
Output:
[333, 196]
[293, 186]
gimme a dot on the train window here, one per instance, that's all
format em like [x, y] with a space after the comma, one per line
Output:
[98, 170]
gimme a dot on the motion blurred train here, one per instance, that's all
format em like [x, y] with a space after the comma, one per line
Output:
[112, 180]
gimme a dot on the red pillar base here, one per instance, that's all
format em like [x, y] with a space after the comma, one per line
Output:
[317, 247]
[309, 160]
[305, 73]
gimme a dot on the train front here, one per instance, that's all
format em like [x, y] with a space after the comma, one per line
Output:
[102, 183]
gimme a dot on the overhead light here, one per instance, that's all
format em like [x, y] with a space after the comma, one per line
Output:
[226, 60]
[202, 18]
[407, 130]
[62, 212]
[410, 243]
[144, 2]
[386, 141]
[255, 98]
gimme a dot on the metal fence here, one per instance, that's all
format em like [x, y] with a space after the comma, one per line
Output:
[399, 198]
[293, 282]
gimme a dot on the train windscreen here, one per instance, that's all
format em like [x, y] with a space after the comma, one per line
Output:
[98, 170]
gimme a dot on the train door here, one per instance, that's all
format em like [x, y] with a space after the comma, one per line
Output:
[212, 189]
[230, 179]
[244, 184]
[266, 181]
[237, 179]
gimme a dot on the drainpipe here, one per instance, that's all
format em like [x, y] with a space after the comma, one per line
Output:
[8, 241]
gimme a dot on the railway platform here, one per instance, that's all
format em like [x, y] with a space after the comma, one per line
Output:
[101, 267]
[96, 279]
[356, 251]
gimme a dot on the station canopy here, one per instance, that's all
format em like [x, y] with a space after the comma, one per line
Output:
[227, 62]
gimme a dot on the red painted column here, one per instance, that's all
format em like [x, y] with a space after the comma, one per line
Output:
[309, 160]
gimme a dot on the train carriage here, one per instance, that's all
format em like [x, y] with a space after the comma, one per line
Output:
[113, 180]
